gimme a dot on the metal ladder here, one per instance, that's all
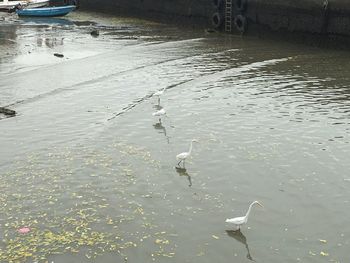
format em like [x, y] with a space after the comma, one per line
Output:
[228, 15]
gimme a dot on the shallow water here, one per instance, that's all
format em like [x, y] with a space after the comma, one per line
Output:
[87, 167]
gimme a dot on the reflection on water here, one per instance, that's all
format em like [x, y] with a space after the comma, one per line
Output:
[158, 126]
[50, 42]
[183, 172]
[46, 21]
[238, 235]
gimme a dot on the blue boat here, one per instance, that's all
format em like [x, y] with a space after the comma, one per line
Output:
[46, 11]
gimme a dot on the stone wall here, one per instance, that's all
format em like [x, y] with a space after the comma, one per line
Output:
[199, 11]
[305, 16]
[310, 16]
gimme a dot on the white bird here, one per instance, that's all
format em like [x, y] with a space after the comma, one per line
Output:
[159, 92]
[182, 156]
[159, 113]
[238, 221]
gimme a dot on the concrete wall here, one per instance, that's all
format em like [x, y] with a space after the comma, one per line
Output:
[306, 16]
[173, 10]
[310, 16]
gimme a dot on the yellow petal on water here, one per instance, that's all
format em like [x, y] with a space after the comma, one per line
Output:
[323, 240]
[161, 241]
[216, 237]
[200, 254]
[169, 255]
[324, 254]
[312, 253]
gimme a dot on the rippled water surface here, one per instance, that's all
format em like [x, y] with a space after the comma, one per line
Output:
[92, 173]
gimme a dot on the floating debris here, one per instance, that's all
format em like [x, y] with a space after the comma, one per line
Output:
[7, 111]
[58, 55]
[95, 33]
[71, 218]
[24, 230]
[161, 241]
[312, 253]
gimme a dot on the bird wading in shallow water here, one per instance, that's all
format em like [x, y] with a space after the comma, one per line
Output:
[182, 156]
[159, 114]
[238, 221]
[159, 93]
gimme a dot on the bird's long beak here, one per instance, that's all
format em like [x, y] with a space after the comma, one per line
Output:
[259, 204]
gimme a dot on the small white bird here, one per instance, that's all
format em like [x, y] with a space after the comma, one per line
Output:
[159, 92]
[238, 221]
[161, 112]
[182, 156]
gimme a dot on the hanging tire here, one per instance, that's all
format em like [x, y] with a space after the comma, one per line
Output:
[241, 23]
[241, 5]
[216, 20]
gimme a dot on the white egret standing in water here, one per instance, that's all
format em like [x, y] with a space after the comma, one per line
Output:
[238, 221]
[182, 156]
[159, 113]
[159, 93]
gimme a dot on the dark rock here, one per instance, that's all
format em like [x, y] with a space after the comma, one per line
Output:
[7, 111]
[95, 33]
[84, 23]
[210, 30]
[58, 55]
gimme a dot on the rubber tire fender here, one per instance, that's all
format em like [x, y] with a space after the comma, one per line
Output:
[216, 20]
[241, 23]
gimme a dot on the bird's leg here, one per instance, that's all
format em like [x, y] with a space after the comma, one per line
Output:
[190, 181]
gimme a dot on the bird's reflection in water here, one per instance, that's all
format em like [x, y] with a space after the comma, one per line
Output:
[183, 172]
[157, 107]
[161, 128]
[238, 235]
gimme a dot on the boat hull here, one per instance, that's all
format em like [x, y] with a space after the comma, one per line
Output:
[46, 11]
[8, 5]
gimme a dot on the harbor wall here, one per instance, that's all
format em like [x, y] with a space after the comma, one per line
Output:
[322, 17]
[197, 12]
[309, 16]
